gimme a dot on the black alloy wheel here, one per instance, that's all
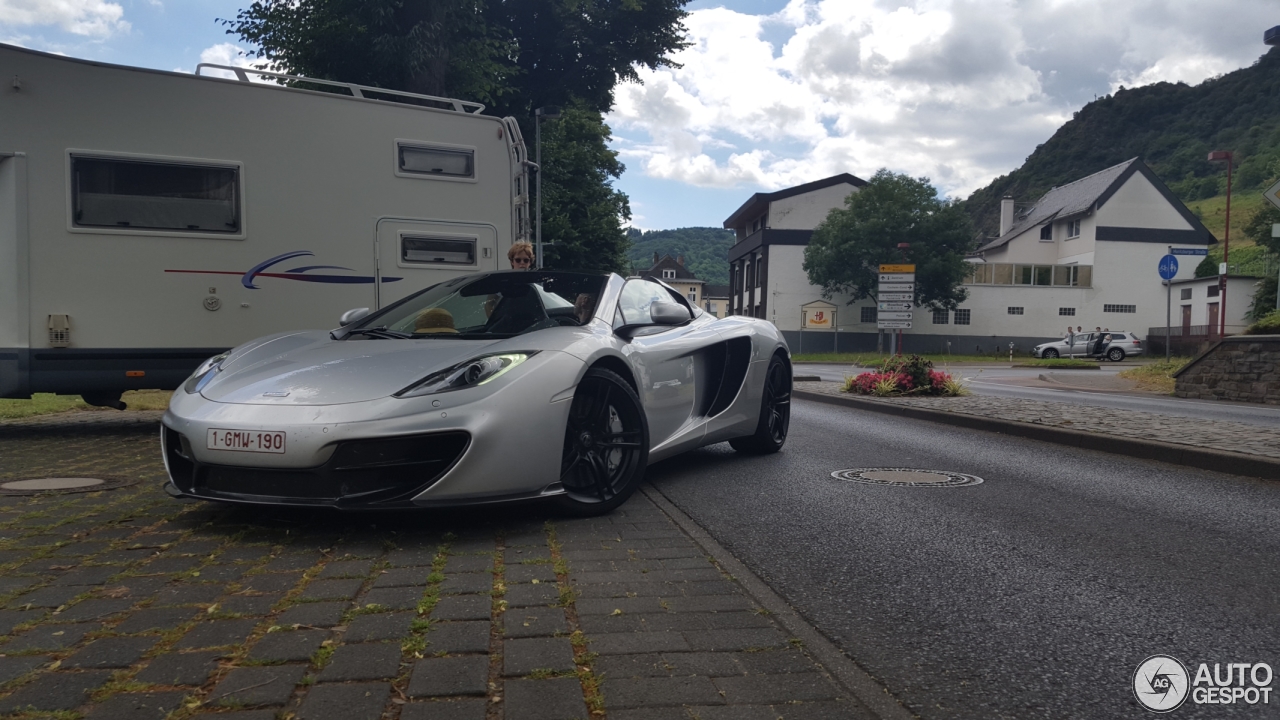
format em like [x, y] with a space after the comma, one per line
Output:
[1115, 354]
[1049, 354]
[606, 445]
[775, 412]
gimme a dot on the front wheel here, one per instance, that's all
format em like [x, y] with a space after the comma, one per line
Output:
[775, 413]
[1115, 354]
[1049, 354]
[606, 445]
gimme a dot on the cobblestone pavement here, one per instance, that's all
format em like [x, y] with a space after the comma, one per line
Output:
[127, 604]
[1216, 435]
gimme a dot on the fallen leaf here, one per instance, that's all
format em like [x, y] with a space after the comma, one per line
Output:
[60, 632]
[536, 581]
[617, 611]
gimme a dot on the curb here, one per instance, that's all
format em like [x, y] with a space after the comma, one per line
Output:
[864, 688]
[1186, 455]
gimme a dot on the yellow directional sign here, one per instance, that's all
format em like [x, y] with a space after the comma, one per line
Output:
[1272, 195]
[903, 268]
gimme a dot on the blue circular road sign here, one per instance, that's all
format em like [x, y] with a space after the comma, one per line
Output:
[1168, 267]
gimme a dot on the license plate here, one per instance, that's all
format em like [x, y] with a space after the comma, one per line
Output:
[245, 440]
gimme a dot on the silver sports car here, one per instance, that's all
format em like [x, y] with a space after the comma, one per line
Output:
[490, 387]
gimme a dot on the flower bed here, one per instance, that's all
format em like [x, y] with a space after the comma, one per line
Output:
[911, 375]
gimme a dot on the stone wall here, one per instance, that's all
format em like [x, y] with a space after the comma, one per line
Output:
[1244, 368]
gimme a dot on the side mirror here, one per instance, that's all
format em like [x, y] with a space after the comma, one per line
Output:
[351, 316]
[669, 313]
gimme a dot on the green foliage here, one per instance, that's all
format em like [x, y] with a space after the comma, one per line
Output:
[1172, 127]
[847, 248]
[1268, 325]
[1250, 261]
[705, 250]
[915, 367]
[1264, 298]
[1258, 228]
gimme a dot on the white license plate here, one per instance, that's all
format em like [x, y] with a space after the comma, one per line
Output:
[246, 440]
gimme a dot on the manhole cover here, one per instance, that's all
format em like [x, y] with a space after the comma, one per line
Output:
[37, 486]
[907, 477]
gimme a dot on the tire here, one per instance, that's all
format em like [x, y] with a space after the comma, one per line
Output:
[1115, 354]
[775, 413]
[606, 445]
[1049, 354]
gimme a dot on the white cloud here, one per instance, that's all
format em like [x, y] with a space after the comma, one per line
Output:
[228, 54]
[94, 18]
[958, 90]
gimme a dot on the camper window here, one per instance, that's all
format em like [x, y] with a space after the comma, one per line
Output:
[117, 193]
[431, 161]
[447, 251]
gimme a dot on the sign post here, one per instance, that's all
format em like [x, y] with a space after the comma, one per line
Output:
[1168, 269]
[895, 297]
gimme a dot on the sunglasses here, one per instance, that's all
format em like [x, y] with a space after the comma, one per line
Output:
[522, 261]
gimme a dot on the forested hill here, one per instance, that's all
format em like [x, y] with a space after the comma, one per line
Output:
[1172, 127]
[705, 250]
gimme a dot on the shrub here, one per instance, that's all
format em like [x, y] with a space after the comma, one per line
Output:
[1268, 325]
[905, 376]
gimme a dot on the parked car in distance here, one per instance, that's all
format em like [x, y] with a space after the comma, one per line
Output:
[1122, 345]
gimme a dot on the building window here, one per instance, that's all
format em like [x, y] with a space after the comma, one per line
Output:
[711, 308]
[1046, 232]
[1119, 308]
[437, 251]
[668, 274]
[756, 313]
[1009, 274]
[1015, 311]
[940, 317]
[1213, 291]
[1073, 229]
[868, 315]
[147, 195]
[436, 162]
[759, 270]
[962, 317]
[1186, 293]
[693, 296]
[1067, 311]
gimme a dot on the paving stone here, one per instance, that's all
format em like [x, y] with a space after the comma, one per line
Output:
[463, 607]
[641, 622]
[288, 645]
[606, 606]
[822, 710]
[768, 689]
[403, 577]
[16, 667]
[551, 699]
[9, 619]
[270, 582]
[14, 584]
[217, 633]
[48, 597]
[137, 706]
[398, 598]
[454, 709]
[357, 701]
[92, 609]
[381, 626]
[639, 642]
[709, 603]
[244, 553]
[531, 595]
[449, 676]
[49, 637]
[728, 640]
[137, 588]
[296, 561]
[253, 605]
[528, 573]
[529, 538]
[358, 548]
[110, 652]
[774, 662]
[523, 656]
[363, 661]
[534, 622]
[513, 556]
[347, 569]
[155, 619]
[736, 712]
[93, 575]
[331, 590]
[636, 692]
[653, 713]
[271, 685]
[408, 557]
[188, 594]
[195, 547]
[458, 637]
[469, 563]
[166, 565]
[218, 573]
[466, 583]
[180, 668]
[56, 691]
[320, 614]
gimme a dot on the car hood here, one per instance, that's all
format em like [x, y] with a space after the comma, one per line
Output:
[310, 368]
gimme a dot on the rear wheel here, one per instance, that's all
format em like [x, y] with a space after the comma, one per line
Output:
[775, 413]
[1049, 354]
[1115, 354]
[606, 445]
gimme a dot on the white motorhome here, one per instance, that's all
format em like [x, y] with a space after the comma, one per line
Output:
[151, 219]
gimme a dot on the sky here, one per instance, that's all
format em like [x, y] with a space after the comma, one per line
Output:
[774, 93]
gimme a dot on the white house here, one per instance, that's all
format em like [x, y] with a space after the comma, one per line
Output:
[1085, 254]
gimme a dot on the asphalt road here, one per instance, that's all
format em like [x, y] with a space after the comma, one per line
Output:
[1033, 595]
[994, 381]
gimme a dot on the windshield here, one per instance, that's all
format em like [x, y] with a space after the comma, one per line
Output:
[498, 305]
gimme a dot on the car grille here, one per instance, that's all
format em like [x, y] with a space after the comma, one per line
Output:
[380, 472]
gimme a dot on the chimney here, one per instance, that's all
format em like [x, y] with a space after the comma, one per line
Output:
[1006, 214]
[656, 258]
[680, 260]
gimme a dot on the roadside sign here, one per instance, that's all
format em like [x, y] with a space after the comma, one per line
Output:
[898, 287]
[1222, 268]
[895, 296]
[1189, 251]
[893, 316]
[1273, 194]
[897, 277]
[897, 268]
[1168, 267]
[893, 325]
[895, 306]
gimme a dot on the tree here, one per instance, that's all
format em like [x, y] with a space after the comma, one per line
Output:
[1258, 228]
[847, 248]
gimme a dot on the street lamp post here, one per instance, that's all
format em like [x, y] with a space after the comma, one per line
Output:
[550, 113]
[1228, 156]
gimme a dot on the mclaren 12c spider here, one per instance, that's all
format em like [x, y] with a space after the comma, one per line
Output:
[490, 387]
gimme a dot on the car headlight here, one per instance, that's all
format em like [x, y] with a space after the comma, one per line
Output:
[204, 373]
[471, 373]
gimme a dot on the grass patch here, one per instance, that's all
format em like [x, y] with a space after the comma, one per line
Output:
[1070, 363]
[48, 403]
[1156, 376]
[321, 657]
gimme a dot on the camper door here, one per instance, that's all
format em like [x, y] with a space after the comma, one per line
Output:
[414, 254]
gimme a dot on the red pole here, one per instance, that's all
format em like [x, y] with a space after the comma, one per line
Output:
[1226, 249]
